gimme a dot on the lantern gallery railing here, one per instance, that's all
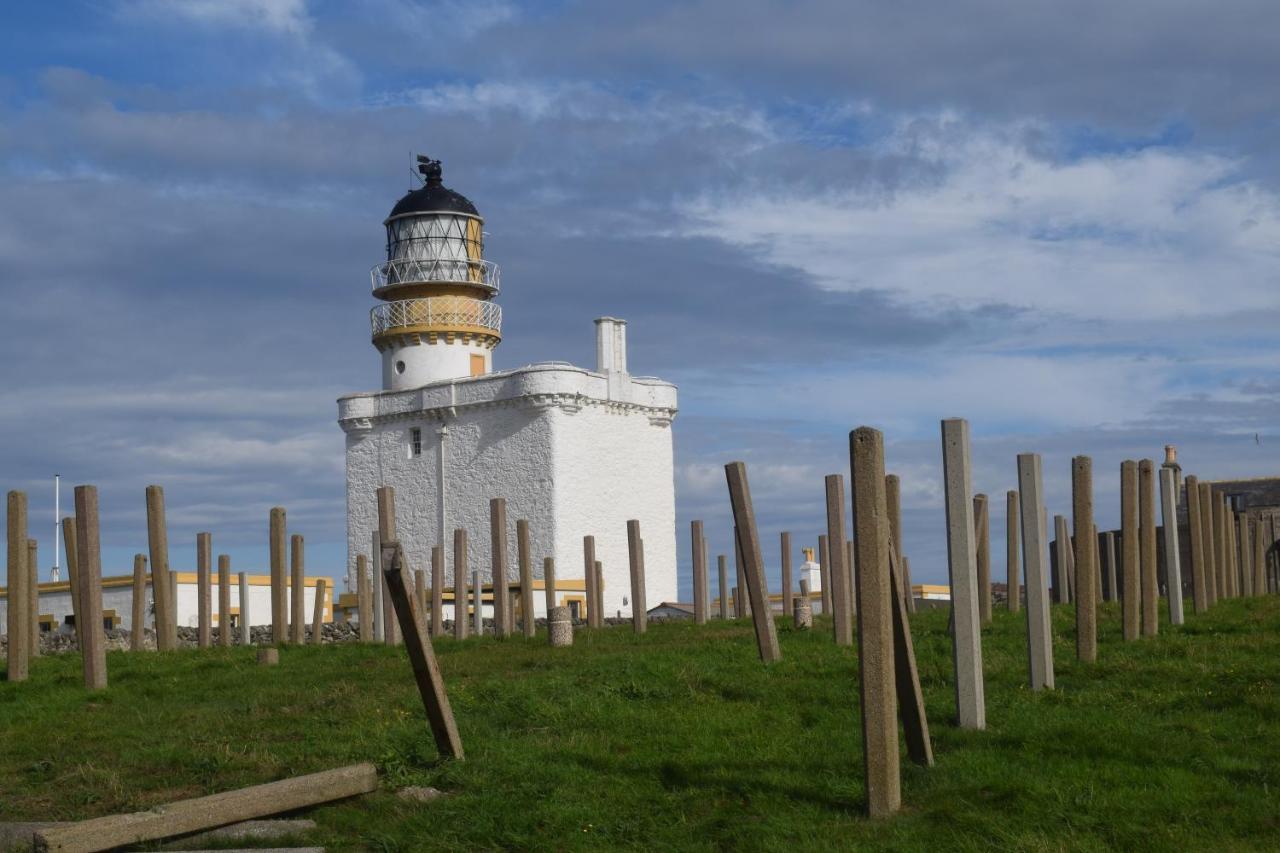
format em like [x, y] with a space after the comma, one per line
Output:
[417, 270]
[437, 313]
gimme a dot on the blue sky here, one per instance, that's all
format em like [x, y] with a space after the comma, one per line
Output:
[1059, 221]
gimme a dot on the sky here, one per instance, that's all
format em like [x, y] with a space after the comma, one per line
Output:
[1059, 221]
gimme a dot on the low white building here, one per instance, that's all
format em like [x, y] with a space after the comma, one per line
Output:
[574, 451]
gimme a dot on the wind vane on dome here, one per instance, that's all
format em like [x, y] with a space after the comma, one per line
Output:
[429, 169]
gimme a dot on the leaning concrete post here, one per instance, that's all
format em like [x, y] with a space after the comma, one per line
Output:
[459, 584]
[881, 771]
[1245, 551]
[498, 554]
[422, 657]
[982, 521]
[1172, 555]
[1039, 635]
[224, 600]
[437, 591]
[246, 622]
[589, 575]
[1195, 532]
[138, 611]
[841, 623]
[722, 565]
[1014, 595]
[1086, 570]
[559, 626]
[961, 564]
[635, 557]
[278, 545]
[1208, 545]
[748, 543]
[525, 556]
[364, 599]
[204, 590]
[701, 589]
[89, 562]
[1129, 547]
[19, 606]
[893, 499]
[297, 590]
[549, 582]
[1147, 547]
[915, 723]
[788, 594]
[73, 577]
[824, 573]
[33, 596]
[166, 609]
[1259, 559]
[740, 574]
[317, 615]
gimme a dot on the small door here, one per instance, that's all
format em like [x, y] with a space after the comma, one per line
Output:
[477, 365]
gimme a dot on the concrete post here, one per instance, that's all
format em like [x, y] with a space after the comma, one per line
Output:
[364, 602]
[635, 556]
[802, 614]
[893, 500]
[1245, 550]
[525, 556]
[722, 565]
[1195, 533]
[549, 581]
[89, 563]
[138, 620]
[600, 590]
[379, 588]
[1097, 564]
[737, 602]
[1060, 589]
[589, 575]
[166, 615]
[278, 546]
[460, 571]
[559, 627]
[1014, 602]
[908, 589]
[841, 623]
[246, 620]
[173, 596]
[739, 572]
[498, 555]
[73, 576]
[1147, 547]
[824, 573]
[204, 590]
[421, 593]
[982, 521]
[911, 710]
[1034, 548]
[961, 565]
[224, 600]
[875, 622]
[1208, 546]
[477, 603]
[18, 609]
[1220, 544]
[268, 657]
[1172, 553]
[437, 591]
[748, 540]
[1259, 560]
[701, 590]
[1086, 570]
[851, 583]
[1113, 585]
[298, 589]
[788, 589]
[1130, 554]
[33, 595]
[1233, 551]
[317, 615]
[804, 591]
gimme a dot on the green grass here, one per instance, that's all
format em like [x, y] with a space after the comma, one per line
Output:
[682, 739]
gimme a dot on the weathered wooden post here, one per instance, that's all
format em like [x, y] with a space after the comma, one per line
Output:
[437, 591]
[1147, 547]
[881, 771]
[278, 545]
[73, 577]
[204, 590]
[1086, 569]
[138, 609]
[89, 563]
[298, 590]
[1130, 555]
[635, 558]
[1012, 522]
[166, 615]
[1208, 546]
[549, 583]
[364, 599]
[524, 554]
[824, 573]
[961, 559]
[246, 622]
[224, 600]
[498, 553]
[33, 595]
[722, 565]
[460, 584]
[19, 605]
[841, 623]
[788, 593]
[317, 615]
[982, 521]
[1034, 547]
[1195, 532]
[700, 587]
[748, 542]
[1172, 555]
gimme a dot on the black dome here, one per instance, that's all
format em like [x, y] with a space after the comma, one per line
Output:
[434, 196]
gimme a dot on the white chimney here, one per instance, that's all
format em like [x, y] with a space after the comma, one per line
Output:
[611, 345]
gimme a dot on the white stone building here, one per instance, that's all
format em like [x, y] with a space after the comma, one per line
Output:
[574, 451]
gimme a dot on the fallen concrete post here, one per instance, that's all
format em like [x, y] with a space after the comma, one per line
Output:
[89, 563]
[187, 816]
[982, 553]
[317, 615]
[1086, 570]
[1034, 548]
[525, 556]
[837, 559]
[18, 604]
[748, 542]
[204, 590]
[246, 633]
[635, 559]
[278, 541]
[138, 610]
[1172, 554]
[961, 566]
[1130, 555]
[1147, 547]
[1013, 599]
[224, 600]
[166, 614]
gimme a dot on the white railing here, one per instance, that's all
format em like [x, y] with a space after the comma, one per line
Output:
[415, 270]
[439, 311]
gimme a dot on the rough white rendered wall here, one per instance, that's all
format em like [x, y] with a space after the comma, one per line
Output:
[428, 362]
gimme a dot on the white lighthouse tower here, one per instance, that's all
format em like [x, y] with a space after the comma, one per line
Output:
[574, 451]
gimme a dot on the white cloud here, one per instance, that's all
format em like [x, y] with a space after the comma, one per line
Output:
[277, 16]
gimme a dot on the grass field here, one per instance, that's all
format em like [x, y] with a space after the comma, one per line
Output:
[682, 739]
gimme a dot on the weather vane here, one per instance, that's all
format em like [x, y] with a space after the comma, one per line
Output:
[429, 169]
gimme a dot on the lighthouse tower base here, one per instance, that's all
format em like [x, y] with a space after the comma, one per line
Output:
[576, 452]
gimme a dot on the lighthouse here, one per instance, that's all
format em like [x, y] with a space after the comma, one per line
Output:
[574, 451]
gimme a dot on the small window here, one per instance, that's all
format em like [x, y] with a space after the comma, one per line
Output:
[399, 367]
[415, 442]
[477, 365]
